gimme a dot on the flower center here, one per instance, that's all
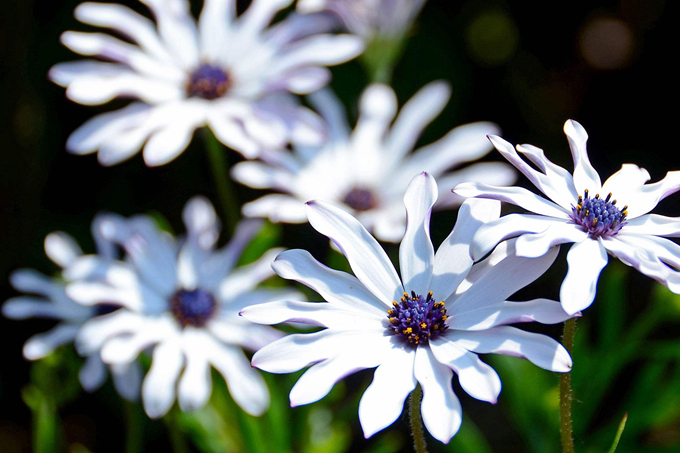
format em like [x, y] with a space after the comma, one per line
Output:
[417, 318]
[599, 217]
[360, 199]
[208, 82]
[192, 307]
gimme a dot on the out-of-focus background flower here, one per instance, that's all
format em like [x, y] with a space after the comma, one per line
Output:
[527, 66]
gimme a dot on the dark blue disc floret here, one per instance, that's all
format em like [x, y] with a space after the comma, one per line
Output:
[208, 82]
[192, 307]
[360, 199]
[599, 217]
[417, 318]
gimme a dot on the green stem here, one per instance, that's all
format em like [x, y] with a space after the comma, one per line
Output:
[566, 432]
[134, 421]
[217, 154]
[416, 422]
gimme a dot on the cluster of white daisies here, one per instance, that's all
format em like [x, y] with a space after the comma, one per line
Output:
[191, 306]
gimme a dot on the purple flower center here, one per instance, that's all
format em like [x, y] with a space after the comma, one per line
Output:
[208, 82]
[599, 217]
[360, 199]
[192, 307]
[417, 318]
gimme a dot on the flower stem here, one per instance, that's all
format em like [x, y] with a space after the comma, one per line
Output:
[566, 432]
[225, 191]
[416, 422]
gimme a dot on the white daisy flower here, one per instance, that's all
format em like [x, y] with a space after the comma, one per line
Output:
[49, 301]
[366, 171]
[369, 18]
[233, 74]
[598, 218]
[418, 329]
[181, 298]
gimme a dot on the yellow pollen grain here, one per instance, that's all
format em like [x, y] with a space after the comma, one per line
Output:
[407, 331]
[423, 325]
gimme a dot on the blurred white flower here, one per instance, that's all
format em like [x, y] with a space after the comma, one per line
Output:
[598, 218]
[51, 302]
[367, 170]
[369, 18]
[181, 298]
[378, 320]
[233, 74]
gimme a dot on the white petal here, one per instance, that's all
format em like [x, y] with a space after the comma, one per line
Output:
[553, 180]
[246, 278]
[96, 331]
[32, 307]
[495, 173]
[259, 14]
[333, 112]
[195, 385]
[214, 26]
[259, 175]
[477, 378]
[515, 195]
[277, 208]
[468, 317]
[65, 73]
[168, 142]
[336, 287]
[585, 176]
[126, 22]
[92, 374]
[294, 352]
[540, 350]
[453, 261]
[654, 224]
[42, 345]
[93, 89]
[533, 245]
[158, 389]
[62, 248]
[463, 144]
[127, 379]
[414, 117]
[509, 226]
[625, 184]
[177, 29]
[586, 260]
[498, 277]
[230, 132]
[318, 380]
[239, 332]
[125, 349]
[440, 408]
[304, 80]
[367, 259]
[319, 50]
[32, 281]
[383, 400]
[201, 221]
[416, 254]
[648, 196]
[314, 313]
[245, 384]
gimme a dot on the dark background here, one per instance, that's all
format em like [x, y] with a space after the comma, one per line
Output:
[525, 65]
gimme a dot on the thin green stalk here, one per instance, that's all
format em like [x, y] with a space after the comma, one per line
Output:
[134, 434]
[619, 432]
[217, 155]
[416, 422]
[566, 432]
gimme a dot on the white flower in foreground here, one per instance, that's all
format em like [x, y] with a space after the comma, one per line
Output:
[378, 320]
[182, 298]
[369, 18]
[366, 171]
[598, 218]
[51, 302]
[234, 74]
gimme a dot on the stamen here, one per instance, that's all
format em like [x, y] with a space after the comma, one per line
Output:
[193, 307]
[417, 318]
[599, 217]
[208, 82]
[361, 199]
